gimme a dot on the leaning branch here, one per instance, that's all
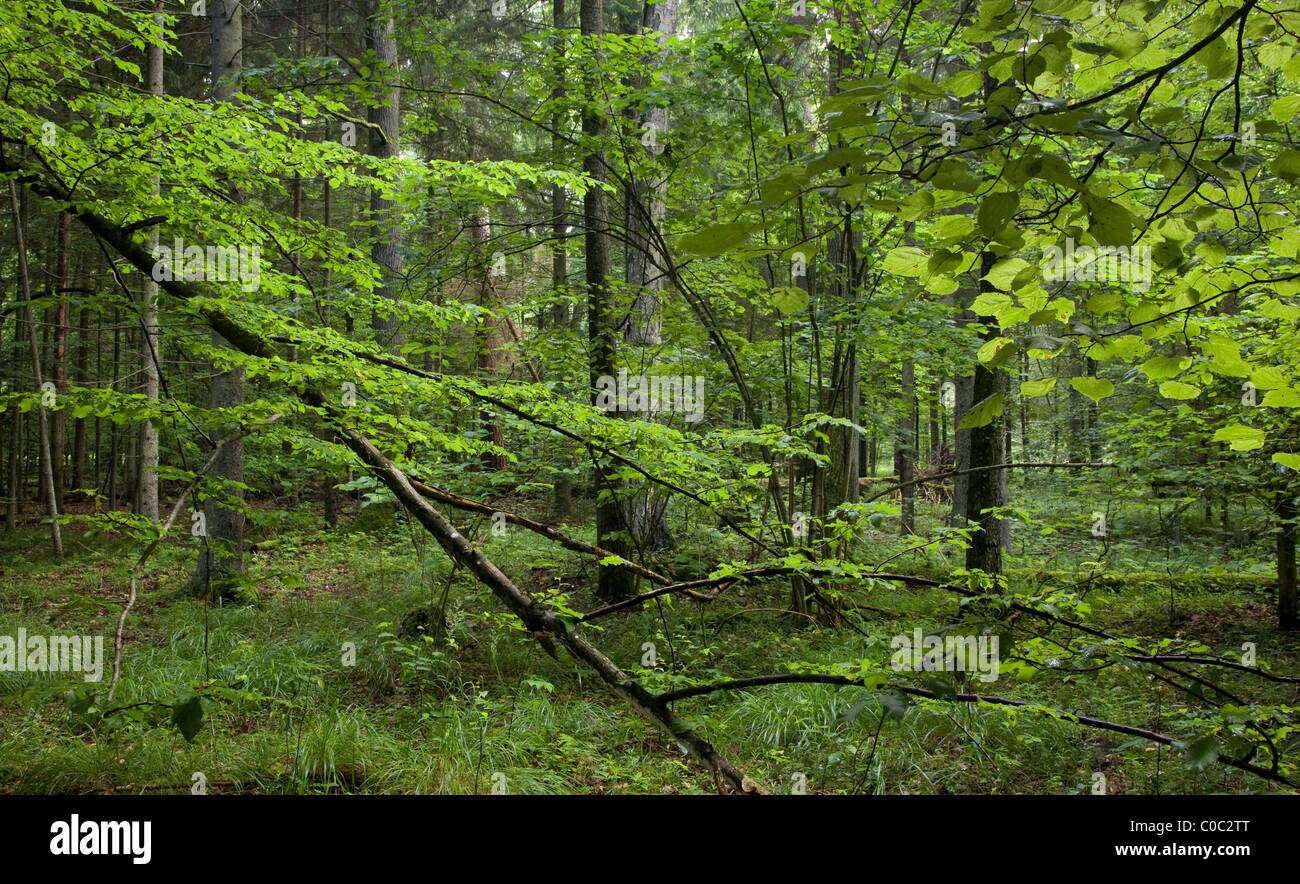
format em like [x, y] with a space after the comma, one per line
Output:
[1088, 721]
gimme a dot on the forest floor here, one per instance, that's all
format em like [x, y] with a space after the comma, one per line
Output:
[479, 707]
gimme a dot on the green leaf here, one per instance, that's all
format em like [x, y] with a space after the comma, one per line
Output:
[983, 413]
[789, 299]
[995, 210]
[1037, 388]
[1287, 165]
[1268, 377]
[1002, 273]
[1286, 397]
[1175, 390]
[1240, 437]
[997, 351]
[895, 705]
[1108, 221]
[1291, 461]
[905, 261]
[941, 284]
[964, 83]
[1095, 389]
[1201, 752]
[991, 303]
[1284, 109]
[187, 715]
[1161, 367]
[952, 227]
[713, 241]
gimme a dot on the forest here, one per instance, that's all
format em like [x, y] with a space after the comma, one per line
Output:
[531, 397]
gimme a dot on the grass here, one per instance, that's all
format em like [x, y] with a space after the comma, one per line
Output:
[287, 711]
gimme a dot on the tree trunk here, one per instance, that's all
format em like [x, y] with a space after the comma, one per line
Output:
[645, 210]
[385, 214]
[963, 399]
[1285, 508]
[222, 559]
[147, 490]
[563, 495]
[905, 441]
[489, 336]
[46, 463]
[63, 279]
[614, 583]
[987, 487]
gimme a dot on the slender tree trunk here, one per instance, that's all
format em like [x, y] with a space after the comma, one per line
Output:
[80, 455]
[222, 558]
[963, 399]
[490, 337]
[385, 122]
[933, 406]
[147, 490]
[46, 462]
[559, 235]
[63, 279]
[905, 440]
[1285, 507]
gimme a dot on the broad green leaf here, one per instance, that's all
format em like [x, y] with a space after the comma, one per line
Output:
[991, 303]
[1287, 165]
[1269, 377]
[1175, 390]
[995, 210]
[964, 83]
[997, 351]
[187, 715]
[1201, 752]
[1095, 389]
[983, 412]
[1002, 273]
[1240, 437]
[788, 299]
[1108, 221]
[953, 227]
[905, 261]
[713, 241]
[1284, 109]
[1285, 397]
[1161, 367]
[1037, 388]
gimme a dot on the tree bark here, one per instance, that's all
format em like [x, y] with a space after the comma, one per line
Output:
[385, 120]
[147, 490]
[905, 440]
[1285, 507]
[63, 279]
[489, 336]
[222, 559]
[614, 583]
[46, 463]
[987, 488]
